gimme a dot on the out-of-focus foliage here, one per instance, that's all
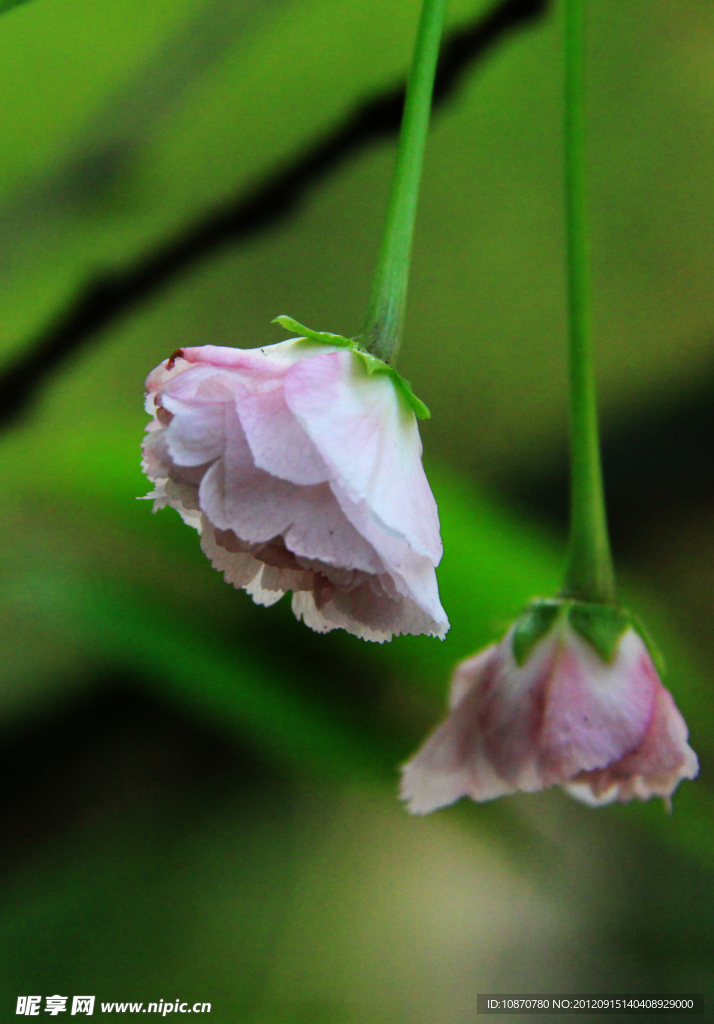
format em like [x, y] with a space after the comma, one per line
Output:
[6, 5]
[202, 796]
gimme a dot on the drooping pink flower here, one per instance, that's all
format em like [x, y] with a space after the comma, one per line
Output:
[302, 471]
[605, 730]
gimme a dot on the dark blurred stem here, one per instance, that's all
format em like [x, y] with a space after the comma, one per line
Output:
[382, 331]
[589, 574]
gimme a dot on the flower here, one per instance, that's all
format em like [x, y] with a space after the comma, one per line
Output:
[544, 707]
[300, 465]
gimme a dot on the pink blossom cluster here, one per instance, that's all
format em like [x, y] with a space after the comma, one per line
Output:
[300, 465]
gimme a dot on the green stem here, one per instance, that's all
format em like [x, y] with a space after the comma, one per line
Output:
[589, 575]
[382, 331]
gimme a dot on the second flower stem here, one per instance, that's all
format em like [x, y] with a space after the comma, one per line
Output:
[382, 331]
[589, 574]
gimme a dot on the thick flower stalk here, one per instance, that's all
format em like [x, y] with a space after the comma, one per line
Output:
[300, 465]
[569, 697]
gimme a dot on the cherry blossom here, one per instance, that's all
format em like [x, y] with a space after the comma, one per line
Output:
[300, 465]
[606, 730]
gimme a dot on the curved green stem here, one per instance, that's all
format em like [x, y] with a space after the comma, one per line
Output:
[382, 331]
[589, 575]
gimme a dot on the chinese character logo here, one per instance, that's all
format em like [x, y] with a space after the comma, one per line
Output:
[83, 1004]
[55, 1005]
[28, 1005]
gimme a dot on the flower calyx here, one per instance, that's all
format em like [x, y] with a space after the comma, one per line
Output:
[601, 625]
[370, 362]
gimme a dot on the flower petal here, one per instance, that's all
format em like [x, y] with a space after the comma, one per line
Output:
[238, 567]
[467, 674]
[413, 573]
[595, 712]
[656, 768]
[511, 708]
[452, 763]
[236, 495]
[324, 620]
[278, 443]
[268, 361]
[370, 441]
[196, 434]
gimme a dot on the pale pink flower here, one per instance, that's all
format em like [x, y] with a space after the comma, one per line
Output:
[302, 471]
[604, 730]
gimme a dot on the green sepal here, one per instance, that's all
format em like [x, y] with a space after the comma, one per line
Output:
[371, 363]
[602, 625]
[404, 388]
[537, 620]
[320, 337]
[654, 651]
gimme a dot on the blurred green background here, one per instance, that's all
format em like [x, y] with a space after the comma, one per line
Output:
[199, 796]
